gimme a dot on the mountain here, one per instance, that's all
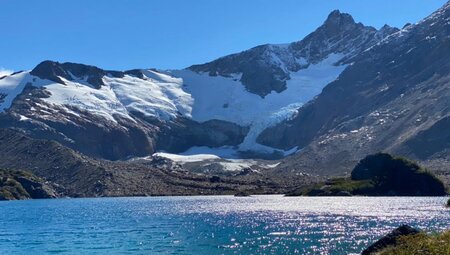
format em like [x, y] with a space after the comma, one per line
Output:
[107, 114]
[217, 107]
[319, 105]
[394, 97]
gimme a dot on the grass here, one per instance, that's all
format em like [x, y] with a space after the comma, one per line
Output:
[347, 185]
[434, 244]
[334, 187]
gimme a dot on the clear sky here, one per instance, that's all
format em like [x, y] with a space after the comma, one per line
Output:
[165, 34]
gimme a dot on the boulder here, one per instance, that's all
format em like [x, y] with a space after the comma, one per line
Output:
[390, 239]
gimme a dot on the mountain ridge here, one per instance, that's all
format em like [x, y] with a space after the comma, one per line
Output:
[392, 97]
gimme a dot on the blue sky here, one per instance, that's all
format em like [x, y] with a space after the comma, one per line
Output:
[166, 34]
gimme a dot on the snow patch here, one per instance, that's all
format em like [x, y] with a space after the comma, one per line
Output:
[186, 158]
[226, 152]
[10, 87]
[157, 95]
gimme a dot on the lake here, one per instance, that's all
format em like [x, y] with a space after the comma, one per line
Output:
[211, 224]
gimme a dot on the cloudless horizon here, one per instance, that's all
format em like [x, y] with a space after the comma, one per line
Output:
[172, 34]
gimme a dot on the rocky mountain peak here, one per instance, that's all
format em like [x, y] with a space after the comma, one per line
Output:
[266, 68]
[54, 71]
[339, 23]
[339, 19]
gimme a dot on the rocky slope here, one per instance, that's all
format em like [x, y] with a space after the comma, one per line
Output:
[393, 97]
[76, 175]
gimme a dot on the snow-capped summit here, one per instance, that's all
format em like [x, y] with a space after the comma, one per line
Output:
[267, 68]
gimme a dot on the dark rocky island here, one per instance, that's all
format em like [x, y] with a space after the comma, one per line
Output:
[15, 185]
[380, 175]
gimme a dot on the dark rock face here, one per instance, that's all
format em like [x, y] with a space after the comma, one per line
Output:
[390, 239]
[180, 136]
[52, 71]
[385, 101]
[266, 68]
[259, 75]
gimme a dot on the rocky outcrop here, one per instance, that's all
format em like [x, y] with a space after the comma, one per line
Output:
[390, 239]
[54, 71]
[16, 185]
[179, 136]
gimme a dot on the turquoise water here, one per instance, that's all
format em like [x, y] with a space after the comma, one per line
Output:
[210, 225]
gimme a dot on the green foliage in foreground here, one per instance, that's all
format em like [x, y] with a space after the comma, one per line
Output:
[448, 202]
[436, 244]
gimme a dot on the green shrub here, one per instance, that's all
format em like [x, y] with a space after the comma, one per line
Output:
[435, 244]
[380, 175]
[398, 176]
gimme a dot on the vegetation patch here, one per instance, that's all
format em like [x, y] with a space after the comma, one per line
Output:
[421, 243]
[380, 175]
